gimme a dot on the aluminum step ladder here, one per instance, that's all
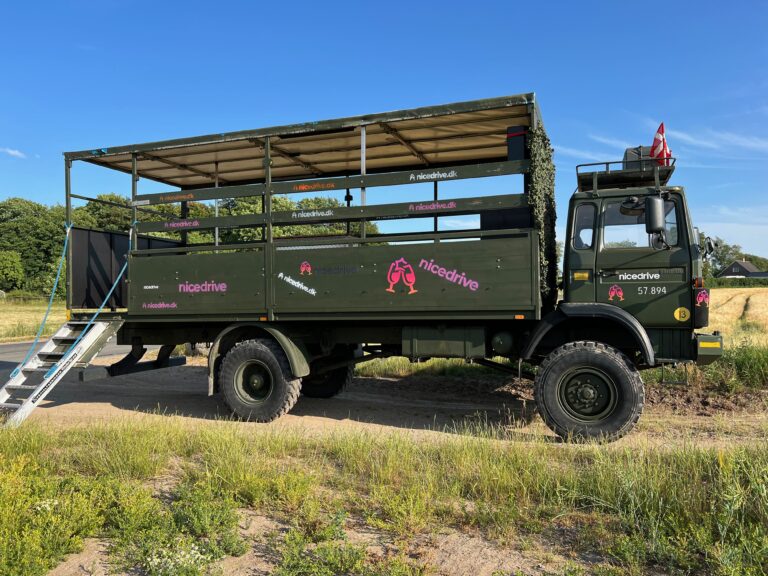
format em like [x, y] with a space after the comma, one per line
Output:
[75, 344]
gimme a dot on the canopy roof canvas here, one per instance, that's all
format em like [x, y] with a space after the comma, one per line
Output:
[448, 135]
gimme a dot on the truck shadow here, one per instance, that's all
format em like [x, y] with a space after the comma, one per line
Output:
[414, 403]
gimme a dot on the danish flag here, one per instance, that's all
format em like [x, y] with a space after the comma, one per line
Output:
[659, 148]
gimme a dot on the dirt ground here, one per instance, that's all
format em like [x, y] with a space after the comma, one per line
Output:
[421, 405]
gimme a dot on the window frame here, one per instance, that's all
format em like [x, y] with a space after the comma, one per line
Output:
[594, 225]
[611, 201]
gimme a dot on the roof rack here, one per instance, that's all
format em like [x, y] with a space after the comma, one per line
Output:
[628, 174]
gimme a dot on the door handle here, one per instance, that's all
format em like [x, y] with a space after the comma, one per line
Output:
[607, 273]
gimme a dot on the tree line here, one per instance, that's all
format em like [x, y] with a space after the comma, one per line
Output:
[32, 234]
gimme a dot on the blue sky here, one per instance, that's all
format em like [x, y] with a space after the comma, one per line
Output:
[82, 75]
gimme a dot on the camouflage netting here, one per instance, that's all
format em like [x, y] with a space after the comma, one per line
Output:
[542, 201]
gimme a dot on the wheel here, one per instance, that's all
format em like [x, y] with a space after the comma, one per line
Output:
[256, 381]
[588, 390]
[327, 384]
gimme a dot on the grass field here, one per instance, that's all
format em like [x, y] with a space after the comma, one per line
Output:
[172, 496]
[741, 314]
[685, 510]
[19, 321]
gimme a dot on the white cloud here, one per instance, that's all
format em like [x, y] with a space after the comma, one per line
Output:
[458, 223]
[714, 140]
[708, 142]
[582, 154]
[612, 142]
[747, 142]
[13, 152]
[753, 214]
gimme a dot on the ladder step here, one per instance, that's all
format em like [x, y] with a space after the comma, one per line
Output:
[46, 356]
[20, 387]
[42, 368]
[9, 406]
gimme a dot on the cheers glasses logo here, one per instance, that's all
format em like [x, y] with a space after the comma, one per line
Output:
[401, 270]
[305, 268]
[615, 291]
[702, 298]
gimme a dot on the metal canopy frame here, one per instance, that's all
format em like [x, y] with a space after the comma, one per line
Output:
[450, 134]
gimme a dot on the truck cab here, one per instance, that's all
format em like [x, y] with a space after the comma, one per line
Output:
[630, 244]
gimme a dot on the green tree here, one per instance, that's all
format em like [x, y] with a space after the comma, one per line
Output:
[240, 206]
[760, 262]
[43, 282]
[11, 270]
[107, 217]
[724, 255]
[35, 231]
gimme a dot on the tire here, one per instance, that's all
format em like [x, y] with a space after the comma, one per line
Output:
[589, 391]
[256, 381]
[327, 384]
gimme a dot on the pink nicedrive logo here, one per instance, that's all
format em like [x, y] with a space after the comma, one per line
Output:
[401, 271]
[193, 288]
[453, 275]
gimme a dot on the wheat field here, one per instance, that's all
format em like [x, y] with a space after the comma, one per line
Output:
[741, 314]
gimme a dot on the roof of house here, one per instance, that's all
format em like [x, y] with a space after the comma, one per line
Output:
[747, 265]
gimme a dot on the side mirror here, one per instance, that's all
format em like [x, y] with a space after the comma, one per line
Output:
[709, 246]
[654, 214]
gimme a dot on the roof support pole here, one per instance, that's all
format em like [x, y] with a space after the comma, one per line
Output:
[216, 203]
[68, 194]
[133, 240]
[434, 195]
[269, 247]
[362, 173]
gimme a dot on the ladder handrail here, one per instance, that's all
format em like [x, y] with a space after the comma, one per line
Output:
[91, 321]
[50, 303]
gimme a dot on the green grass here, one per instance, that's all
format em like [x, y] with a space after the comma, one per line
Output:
[20, 319]
[742, 367]
[690, 509]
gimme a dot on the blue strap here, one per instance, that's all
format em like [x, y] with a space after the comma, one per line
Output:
[91, 321]
[50, 304]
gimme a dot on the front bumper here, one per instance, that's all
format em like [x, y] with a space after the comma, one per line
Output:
[708, 348]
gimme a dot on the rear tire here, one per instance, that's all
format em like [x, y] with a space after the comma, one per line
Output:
[589, 391]
[327, 384]
[256, 381]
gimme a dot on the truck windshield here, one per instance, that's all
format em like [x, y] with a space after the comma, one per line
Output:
[628, 230]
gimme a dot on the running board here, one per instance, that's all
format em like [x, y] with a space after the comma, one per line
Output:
[75, 344]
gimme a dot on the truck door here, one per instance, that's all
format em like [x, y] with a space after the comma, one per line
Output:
[638, 273]
[579, 264]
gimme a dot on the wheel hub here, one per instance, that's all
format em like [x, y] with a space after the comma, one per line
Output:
[587, 394]
[253, 382]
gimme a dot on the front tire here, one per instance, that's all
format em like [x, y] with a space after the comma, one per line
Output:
[256, 381]
[589, 391]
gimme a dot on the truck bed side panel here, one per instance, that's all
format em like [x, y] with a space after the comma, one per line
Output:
[488, 276]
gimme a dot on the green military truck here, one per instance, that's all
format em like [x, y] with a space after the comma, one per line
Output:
[292, 313]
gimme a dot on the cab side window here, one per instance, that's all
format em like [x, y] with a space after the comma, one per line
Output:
[627, 230]
[584, 227]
